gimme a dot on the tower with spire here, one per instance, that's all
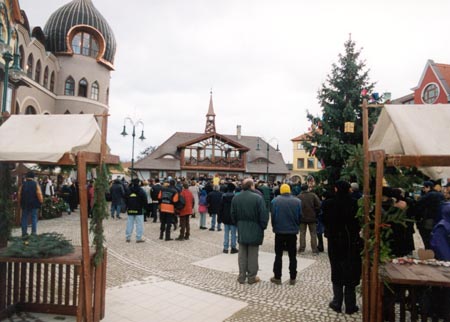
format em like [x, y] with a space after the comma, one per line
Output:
[210, 117]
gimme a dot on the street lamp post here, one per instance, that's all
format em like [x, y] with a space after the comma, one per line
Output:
[124, 133]
[258, 148]
[8, 57]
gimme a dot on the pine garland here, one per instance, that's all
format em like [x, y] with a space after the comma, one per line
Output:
[39, 246]
[99, 213]
[6, 205]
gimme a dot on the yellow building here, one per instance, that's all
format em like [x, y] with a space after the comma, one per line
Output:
[303, 163]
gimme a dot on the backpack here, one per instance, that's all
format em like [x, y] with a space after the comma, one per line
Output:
[180, 203]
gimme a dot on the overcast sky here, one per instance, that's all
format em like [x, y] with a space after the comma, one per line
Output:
[264, 59]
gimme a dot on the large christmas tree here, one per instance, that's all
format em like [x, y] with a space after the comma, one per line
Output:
[340, 99]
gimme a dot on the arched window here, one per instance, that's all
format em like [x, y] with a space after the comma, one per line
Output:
[17, 109]
[67, 112]
[22, 57]
[46, 77]
[52, 82]
[107, 96]
[85, 44]
[37, 72]
[82, 87]
[30, 110]
[94, 91]
[69, 88]
[30, 63]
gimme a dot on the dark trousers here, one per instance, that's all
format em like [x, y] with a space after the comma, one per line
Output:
[426, 236]
[286, 242]
[166, 223]
[185, 228]
[154, 211]
[344, 293]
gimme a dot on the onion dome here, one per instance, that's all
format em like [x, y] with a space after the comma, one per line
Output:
[78, 13]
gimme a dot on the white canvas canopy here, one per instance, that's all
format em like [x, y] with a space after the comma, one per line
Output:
[414, 130]
[46, 138]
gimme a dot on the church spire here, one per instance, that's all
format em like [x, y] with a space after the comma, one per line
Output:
[210, 117]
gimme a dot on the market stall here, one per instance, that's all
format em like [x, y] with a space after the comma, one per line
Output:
[404, 136]
[70, 284]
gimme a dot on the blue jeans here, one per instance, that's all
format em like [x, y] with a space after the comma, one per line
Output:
[132, 220]
[229, 229]
[115, 209]
[203, 219]
[25, 214]
[213, 222]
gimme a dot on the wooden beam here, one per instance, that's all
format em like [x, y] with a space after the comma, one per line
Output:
[86, 264]
[418, 160]
[379, 156]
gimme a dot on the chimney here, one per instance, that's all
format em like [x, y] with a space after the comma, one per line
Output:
[238, 132]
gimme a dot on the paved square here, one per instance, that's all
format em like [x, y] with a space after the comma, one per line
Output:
[229, 263]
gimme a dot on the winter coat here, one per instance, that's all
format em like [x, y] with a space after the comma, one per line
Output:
[136, 200]
[251, 217]
[225, 208]
[286, 214]
[189, 203]
[214, 198]
[117, 193]
[167, 197]
[310, 206]
[344, 244]
[440, 237]
[203, 202]
[30, 195]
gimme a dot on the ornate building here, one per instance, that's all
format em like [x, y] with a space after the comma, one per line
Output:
[66, 67]
[192, 155]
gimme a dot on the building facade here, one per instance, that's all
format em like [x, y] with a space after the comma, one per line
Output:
[433, 86]
[194, 155]
[66, 67]
[303, 163]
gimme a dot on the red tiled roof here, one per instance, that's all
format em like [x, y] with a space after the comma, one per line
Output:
[445, 71]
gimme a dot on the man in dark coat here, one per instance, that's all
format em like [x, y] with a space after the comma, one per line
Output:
[168, 196]
[225, 217]
[214, 197]
[310, 209]
[344, 246]
[427, 211]
[136, 200]
[30, 200]
[117, 192]
[251, 217]
[286, 213]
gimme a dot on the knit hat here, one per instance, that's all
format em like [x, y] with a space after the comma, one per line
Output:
[429, 184]
[285, 189]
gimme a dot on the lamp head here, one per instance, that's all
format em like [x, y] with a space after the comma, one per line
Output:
[142, 137]
[124, 132]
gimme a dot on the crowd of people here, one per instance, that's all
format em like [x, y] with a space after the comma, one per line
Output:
[242, 209]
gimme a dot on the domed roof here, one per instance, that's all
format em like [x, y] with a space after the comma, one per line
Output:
[78, 12]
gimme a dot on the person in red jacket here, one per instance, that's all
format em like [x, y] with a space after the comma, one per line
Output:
[186, 212]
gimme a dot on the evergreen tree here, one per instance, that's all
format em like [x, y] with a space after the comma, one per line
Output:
[340, 99]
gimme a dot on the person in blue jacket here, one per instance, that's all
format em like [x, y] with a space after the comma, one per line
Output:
[286, 214]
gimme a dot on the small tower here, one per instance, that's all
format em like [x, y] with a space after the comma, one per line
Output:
[210, 117]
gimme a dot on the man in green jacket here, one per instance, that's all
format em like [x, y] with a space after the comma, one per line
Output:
[251, 217]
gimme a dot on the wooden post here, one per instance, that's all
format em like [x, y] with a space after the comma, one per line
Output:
[379, 155]
[86, 263]
[366, 200]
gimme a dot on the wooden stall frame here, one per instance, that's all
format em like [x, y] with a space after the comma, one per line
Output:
[81, 160]
[372, 306]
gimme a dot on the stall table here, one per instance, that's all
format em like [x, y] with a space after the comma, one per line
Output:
[408, 278]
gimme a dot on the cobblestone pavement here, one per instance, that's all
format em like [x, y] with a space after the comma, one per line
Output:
[172, 260]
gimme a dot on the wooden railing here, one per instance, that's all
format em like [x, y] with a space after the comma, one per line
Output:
[52, 285]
